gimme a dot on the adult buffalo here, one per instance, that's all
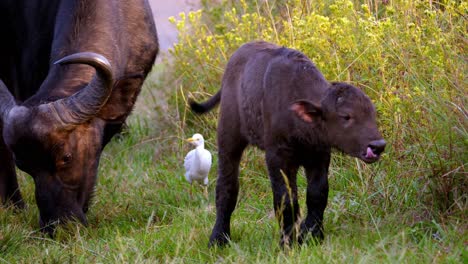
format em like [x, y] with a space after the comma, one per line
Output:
[276, 99]
[71, 71]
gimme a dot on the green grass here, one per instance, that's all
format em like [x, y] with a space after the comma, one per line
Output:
[143, 212]
[408, 208]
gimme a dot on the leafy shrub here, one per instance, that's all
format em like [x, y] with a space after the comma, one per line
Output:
[408, 56]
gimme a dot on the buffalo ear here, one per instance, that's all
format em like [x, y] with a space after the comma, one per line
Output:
[307, 111]
[122, 99]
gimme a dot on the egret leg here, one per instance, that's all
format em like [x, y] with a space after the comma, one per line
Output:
[205, 187]
[191, 187]
[205, 191]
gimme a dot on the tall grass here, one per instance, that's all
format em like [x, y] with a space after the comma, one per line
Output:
[409, 57]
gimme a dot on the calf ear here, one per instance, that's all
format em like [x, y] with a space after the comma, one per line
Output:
[123, 97]
[307, 111]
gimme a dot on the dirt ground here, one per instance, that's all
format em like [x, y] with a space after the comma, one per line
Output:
[162, 10]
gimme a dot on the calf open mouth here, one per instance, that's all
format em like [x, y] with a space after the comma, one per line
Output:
[373, 151]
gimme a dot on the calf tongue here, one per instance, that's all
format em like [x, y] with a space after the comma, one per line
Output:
[370, 154]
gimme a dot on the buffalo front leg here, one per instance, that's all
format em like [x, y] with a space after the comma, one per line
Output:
[317, 196]
[282, 171]
[9, 190]
[227, 188]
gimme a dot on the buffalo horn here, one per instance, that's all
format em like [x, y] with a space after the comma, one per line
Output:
[86, 103]
[7, 102]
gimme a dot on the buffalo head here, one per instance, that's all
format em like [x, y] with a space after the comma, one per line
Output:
[59, 143]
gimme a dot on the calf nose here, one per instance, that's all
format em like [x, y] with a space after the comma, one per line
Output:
[377, 146]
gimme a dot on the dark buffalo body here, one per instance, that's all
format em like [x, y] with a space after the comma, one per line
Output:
[276, 99]
[57, 118]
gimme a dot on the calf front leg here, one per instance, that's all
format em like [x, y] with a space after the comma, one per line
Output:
[282, 171]
[317, 196]
[9, 190]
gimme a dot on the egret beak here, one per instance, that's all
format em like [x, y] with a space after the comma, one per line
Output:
[190, 139]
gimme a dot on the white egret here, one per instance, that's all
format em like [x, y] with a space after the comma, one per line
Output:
[197, 163]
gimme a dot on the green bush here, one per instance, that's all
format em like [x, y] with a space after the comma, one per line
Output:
[408, 56]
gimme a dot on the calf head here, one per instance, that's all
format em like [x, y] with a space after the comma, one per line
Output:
[346, 120]
[59, 143]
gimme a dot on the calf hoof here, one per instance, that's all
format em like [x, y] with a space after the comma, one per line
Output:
[312, 234]
[19, 205]
[288, 237]
[286, 242]
[219, 239]
[16, 201]
[47, 229]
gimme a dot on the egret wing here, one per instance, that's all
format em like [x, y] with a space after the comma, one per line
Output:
[189, 159]
[206, 159]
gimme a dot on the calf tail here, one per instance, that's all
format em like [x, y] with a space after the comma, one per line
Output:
[201, 108]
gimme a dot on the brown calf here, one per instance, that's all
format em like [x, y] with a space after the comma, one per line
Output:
[276, 99]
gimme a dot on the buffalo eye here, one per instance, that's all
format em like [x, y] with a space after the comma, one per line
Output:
[346, 117]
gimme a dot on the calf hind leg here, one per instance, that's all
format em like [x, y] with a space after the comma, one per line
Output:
[227, 188]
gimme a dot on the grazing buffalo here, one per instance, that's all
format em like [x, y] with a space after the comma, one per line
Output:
[71, 72]
[276, 99]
